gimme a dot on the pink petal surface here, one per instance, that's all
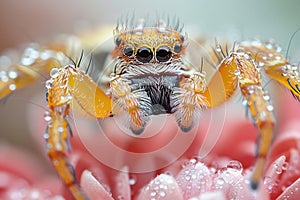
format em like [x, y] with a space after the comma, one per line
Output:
[122, 185]
[292, 192]
[162, 187]
[93, 188]
[193, 179]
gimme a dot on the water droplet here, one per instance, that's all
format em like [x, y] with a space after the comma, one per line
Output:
[188, 178]
[12, 87]
[162, 193]
[54, 72]
[220, 181]
[46, 136]
[120, 197]
[270, 108]
[278, 170]
[4, 78]
[193, 161]
[31, 53]
[266, 97]
[12, 74]
[47, 116]
[60, 129]
[132, 181]
[247, 56]
[261, 64]
[235, 165]
[236, 72]
[218, 48]
[45, 55]
[153, 194]
[26, 61]
[285, 166]
[269, 45]
[48, 84]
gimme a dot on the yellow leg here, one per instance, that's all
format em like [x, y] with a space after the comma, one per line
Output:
[34, 62]
[275, 65]
[69, 83]
[239, 69]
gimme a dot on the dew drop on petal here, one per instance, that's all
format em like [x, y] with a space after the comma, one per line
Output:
[235, 165]
[220, 181]
[132, 181]
[285, 166]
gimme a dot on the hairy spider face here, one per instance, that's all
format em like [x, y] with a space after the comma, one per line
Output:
[149, 45]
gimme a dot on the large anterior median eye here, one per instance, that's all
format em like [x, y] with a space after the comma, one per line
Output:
[144, 55]
[163, 54]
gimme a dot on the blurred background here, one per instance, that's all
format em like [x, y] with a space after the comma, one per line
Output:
[33, 20]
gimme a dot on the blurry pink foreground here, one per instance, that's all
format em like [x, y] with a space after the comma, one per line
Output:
[223, 174]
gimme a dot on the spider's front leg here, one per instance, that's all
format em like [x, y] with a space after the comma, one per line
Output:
[67, 84]
[239, 69]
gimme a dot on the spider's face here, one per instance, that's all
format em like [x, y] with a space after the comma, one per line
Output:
[149, 45]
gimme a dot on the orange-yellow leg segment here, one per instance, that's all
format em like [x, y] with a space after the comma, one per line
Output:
[275, 65]
[68, 84]
[34, 62]
[240, 69]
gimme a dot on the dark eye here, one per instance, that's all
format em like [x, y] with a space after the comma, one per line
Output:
[118, 41]
[163, 54]
[128, 51]
[182, 37]
[144, 55]
[177, 48]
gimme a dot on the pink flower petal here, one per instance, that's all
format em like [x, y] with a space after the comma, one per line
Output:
[93, 188]
[212, 196]
[122, 188]
[193, 179]
[162, 187]
[292, 192]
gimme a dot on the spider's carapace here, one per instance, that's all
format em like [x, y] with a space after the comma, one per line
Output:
[151, 75]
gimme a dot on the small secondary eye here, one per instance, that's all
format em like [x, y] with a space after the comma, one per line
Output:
[144, 55]
[163, 54]
[118, 41]
[128, 51]
[182, 37]
[177, 48]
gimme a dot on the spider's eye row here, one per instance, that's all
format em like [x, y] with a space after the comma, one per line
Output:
[128, 51]
[144, 55]
[163, 54]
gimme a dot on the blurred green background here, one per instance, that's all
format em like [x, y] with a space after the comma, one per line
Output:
[31, 20]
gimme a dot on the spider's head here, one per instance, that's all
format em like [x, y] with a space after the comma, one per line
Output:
[157, 44]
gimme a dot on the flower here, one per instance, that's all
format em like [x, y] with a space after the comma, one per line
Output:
[114, 165]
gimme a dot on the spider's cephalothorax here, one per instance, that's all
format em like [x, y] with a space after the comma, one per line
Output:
[149, 76]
